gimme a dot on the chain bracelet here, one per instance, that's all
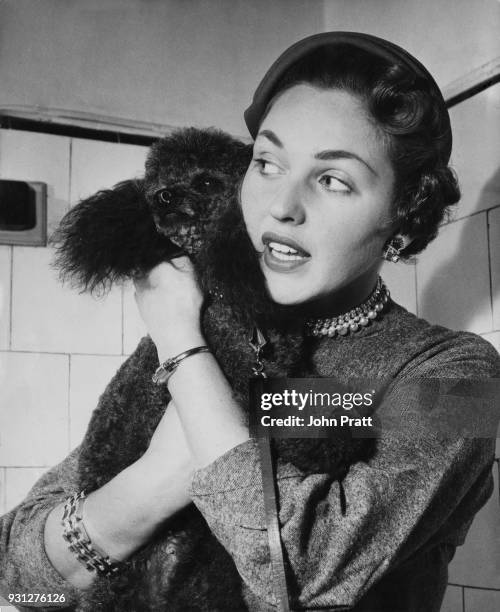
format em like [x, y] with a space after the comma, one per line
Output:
[75, 534]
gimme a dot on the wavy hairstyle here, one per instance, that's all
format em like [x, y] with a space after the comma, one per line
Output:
[411, 122]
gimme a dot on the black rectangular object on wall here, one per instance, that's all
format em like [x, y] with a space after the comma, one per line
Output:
[23, 213]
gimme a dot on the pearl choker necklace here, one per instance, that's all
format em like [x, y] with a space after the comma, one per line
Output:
[355, 319]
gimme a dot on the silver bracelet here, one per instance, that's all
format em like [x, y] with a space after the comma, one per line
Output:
[168, 367]
[76, 535]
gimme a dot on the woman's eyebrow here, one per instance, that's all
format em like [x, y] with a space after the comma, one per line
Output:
[341, 154]
[270, 135]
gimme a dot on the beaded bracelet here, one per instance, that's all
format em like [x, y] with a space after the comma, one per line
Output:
[76, 535]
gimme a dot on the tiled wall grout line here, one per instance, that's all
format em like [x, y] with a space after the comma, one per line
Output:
[70, 169]
[68, 427]
[25, 467]
[490, 270]
[476, 588]
[472, 214]
[28, 352]
[463, 599]
[11, 284]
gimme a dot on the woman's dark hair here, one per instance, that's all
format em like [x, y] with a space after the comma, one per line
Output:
[412, 122]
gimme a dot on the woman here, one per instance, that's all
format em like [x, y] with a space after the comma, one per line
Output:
[352, 142]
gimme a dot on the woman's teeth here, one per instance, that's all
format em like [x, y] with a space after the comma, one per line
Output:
[284, 252]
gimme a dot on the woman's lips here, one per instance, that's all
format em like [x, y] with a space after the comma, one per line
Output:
[283, 254]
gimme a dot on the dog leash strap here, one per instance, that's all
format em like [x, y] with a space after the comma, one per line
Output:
[273, 532]
[273, 529]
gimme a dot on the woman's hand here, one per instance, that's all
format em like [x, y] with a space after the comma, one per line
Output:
[207, 420]
[169, 301]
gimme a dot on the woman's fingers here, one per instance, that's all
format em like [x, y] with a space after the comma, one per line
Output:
[182, 263]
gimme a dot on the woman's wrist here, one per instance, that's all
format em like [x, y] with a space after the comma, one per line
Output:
[212, 420]
[171, 347]
[137, 502]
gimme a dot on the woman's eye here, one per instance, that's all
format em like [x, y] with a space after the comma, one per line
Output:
[266, 167]
[332, 183]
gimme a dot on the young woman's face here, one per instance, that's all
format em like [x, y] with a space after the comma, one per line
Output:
[317, 195]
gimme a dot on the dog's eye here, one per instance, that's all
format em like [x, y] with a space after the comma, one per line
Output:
[164, 196]
[207, 184]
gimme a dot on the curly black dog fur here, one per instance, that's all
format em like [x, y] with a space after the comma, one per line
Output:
[188, 202]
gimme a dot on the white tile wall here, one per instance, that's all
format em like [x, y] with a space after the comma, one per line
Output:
[494, 338]
[133, 326]
[453, 285]
[18, 481]
[5, 262]
[481, 545]
[54, 318]
[98, 165]
[34, 415]
[477, 600]
[400, 279]
[476, 154]
[452, 600]
[30, 156]
[494, 235]
[89, 375]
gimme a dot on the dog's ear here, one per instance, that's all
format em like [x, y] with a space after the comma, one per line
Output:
[107, 238]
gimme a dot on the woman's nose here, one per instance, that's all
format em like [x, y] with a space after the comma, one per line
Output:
[288, 206]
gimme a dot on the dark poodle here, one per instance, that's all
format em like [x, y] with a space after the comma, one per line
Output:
[187, 203]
